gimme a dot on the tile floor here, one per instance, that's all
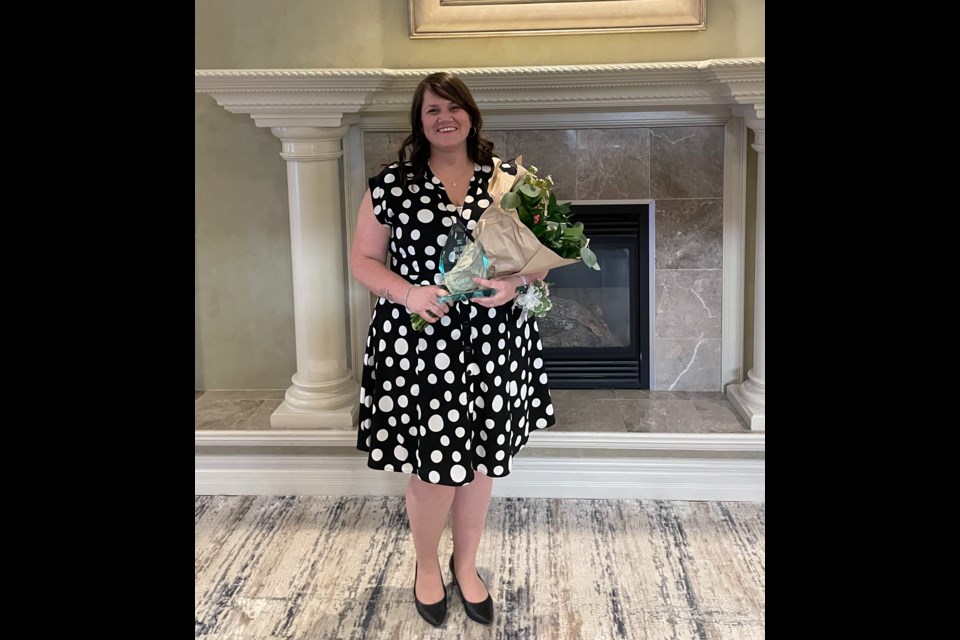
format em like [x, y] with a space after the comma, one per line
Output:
[577, 410]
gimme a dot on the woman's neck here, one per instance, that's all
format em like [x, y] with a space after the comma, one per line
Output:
[455, 159]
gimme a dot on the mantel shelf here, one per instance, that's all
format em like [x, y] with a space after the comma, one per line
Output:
[333, 97]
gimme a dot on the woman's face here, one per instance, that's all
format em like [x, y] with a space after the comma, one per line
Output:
[445, 124]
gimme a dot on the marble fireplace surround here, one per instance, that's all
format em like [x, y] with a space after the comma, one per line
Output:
[321, 116]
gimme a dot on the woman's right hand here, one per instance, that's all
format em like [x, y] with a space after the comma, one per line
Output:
[425, 301]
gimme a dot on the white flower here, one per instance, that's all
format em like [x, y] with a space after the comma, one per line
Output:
[535, 301]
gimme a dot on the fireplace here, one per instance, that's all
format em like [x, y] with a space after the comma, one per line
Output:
[597, 335]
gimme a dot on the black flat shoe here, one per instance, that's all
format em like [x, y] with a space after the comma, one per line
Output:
[481, 612]
[434, 613]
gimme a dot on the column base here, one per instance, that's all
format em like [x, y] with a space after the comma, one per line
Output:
[330, 404]
[750, 407]
[286, 417]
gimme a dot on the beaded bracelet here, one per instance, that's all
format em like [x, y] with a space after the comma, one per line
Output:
[407, 295]
[522, 279]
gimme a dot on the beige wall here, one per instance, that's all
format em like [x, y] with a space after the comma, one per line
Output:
[252, 34]
[244, 296]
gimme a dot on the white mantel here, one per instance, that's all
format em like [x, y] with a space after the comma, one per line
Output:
[320, 114]
[333, 97]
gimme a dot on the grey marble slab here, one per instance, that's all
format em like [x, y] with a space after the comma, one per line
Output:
[687, 364]
[576, 396]
[717, 413]
[224, 414]
[577, 410]
[686, 162]
[688, 303]
[661, 416]
[380, 148]
[552, 151]
[243, 394]
[647, 394]
[689, 234]
[499, 140]
[261, 417]
[589, 415]
[586, 410]
[613, 164]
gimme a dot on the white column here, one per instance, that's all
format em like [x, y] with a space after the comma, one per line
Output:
[324, 393]
[749, 398]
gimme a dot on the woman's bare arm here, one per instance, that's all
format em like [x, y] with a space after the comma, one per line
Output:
[368, 263]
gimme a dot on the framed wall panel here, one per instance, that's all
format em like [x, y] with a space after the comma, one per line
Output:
[485, 18]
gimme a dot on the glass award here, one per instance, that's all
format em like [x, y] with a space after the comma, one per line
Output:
[463, 259]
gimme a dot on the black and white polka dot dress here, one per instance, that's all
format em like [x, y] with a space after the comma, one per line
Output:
[464, 394]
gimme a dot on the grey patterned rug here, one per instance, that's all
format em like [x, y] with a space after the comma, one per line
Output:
[305, 567]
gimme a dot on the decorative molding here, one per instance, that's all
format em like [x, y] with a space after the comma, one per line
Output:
[487, 18]
[753, 114]
[603, 478]
[334, 97]
[341, 438]
[722, 69]
[734, 234]
[592, 118]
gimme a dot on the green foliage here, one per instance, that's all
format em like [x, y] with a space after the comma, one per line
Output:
[538, 209]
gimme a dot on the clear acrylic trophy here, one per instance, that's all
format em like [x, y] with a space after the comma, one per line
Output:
[462, 260]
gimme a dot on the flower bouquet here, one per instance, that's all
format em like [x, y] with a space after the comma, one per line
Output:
[546, 238]
[539, 236]
[525, 230]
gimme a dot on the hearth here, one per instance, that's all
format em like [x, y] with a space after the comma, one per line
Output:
[598, 333]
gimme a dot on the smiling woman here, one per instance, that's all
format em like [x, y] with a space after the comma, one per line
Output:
[453, 405]
[484, 18]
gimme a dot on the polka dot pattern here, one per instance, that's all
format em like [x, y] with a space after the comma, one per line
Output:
[428, 405]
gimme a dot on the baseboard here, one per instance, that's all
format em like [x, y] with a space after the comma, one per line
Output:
[715, 442]
[532, 477]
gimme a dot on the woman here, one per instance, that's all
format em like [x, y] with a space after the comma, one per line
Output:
[451, 405]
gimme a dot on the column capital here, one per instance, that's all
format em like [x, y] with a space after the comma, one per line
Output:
[296, 134]
[755, 117]
[306, 144]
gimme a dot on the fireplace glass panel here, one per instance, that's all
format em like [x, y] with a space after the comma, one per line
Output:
[597, 333]
[593, 309]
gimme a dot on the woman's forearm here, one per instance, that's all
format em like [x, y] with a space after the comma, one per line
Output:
[527, 278]
[380, 280]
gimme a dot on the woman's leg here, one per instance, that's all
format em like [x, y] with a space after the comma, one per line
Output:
[427, 508]
[469, 517]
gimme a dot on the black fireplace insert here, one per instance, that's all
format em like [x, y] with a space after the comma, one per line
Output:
[597, 335]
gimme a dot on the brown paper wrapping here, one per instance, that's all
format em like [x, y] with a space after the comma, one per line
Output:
[501, 181]
[511, 247]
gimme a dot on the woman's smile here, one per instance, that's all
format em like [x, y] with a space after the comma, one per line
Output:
[444, 121]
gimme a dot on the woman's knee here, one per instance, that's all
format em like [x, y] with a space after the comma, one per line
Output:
[422, 488]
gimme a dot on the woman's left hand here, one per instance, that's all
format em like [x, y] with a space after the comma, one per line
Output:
[506, 291]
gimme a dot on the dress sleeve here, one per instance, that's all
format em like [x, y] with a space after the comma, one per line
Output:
[380, 188]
